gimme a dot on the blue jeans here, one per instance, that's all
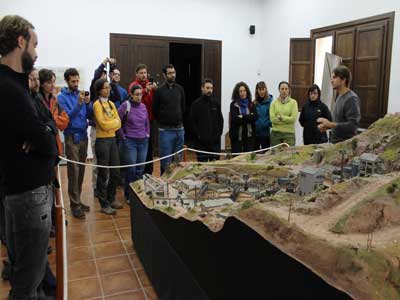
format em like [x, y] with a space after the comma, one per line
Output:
[170, 141]
[134, 151]
[28, 222]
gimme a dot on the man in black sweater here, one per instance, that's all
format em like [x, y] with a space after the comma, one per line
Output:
[168, 109]
[208, 122]
[27, 160]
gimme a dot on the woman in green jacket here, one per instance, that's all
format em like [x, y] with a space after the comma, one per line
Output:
[283, 115]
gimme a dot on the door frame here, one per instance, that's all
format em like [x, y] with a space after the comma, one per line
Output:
[172, 39]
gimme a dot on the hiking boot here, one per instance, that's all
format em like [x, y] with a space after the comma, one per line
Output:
[85, 207]
[108, 210]
[116, 204]
[78, 213]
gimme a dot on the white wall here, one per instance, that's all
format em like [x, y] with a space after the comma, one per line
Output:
[76, 33]
[287, 19]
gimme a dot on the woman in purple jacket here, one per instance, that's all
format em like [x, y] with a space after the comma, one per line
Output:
[134, 134]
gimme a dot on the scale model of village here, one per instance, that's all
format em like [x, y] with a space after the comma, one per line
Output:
[334, 208]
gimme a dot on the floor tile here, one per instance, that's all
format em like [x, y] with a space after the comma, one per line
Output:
[115, 283]
[102, 226]
[109, 249]
[113, 265]
[123, 222]
[139, 295]
[143, 278]
[151, 293]
[80, 253]
[84, 289]
[81, 269]
[105, 237]
[137, 264]
[126, 234]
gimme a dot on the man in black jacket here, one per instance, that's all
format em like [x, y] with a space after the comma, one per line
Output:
[168, 109]
[27, 159]
[208, 122]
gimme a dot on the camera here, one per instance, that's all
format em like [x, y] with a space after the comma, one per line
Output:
[151, 80]
[86, 93]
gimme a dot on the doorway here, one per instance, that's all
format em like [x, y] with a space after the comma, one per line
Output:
[186, 59]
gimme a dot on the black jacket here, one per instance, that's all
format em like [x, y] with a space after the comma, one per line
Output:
[207, 120]
[310, 112]
[242, 127]
[169, 105]
[20, 123]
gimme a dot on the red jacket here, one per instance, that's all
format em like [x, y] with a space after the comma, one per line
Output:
[147, 97]
[60, 117]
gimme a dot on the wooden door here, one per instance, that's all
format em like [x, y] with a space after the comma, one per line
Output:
[154, 53]
[120, 49]
[300, 68]
[212, 64]
[368, 69]
[130, 50]
[345, 45]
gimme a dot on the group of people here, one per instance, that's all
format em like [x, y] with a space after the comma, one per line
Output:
[122, 128]
[264, 122]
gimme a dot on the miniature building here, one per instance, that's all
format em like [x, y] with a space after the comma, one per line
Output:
[207, 204]
[188, 203]
[188, 184]
[317, 156]
[155, 186]
[370, 164]
[309, 180]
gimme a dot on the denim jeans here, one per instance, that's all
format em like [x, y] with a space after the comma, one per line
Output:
[107, 155]
[28, 223]
[134, 151]
[170, 141]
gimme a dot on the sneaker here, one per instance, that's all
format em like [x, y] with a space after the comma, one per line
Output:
[108, 210]
[78, 213]
[85, 207]
[116, 204]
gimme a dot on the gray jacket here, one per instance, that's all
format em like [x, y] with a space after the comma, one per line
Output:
[346, 114]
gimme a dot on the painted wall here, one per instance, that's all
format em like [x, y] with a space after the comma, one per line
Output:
[295, 19]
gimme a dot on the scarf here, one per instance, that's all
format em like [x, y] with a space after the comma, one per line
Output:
[243, 105]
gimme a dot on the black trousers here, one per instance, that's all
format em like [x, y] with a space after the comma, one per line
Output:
[202, 157]
[28, 222]
[242, 146]
[262, 142]
[108, 155]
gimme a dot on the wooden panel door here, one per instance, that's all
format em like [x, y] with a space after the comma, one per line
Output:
[300, 68]
[368, 69]
[120, 49]
[152, 52]
[345, 45]
[212, 64]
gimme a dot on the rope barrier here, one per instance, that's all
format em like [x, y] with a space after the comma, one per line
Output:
[171, 155]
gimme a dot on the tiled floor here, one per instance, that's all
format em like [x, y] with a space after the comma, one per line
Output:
[102, 263]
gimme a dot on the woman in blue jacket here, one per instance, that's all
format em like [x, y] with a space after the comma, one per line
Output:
[262, 102]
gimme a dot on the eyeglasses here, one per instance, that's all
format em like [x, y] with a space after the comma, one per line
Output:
[138, 94]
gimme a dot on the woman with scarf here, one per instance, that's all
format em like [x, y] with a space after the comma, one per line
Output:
[283, 114]
[242, 118]
[312, 110]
